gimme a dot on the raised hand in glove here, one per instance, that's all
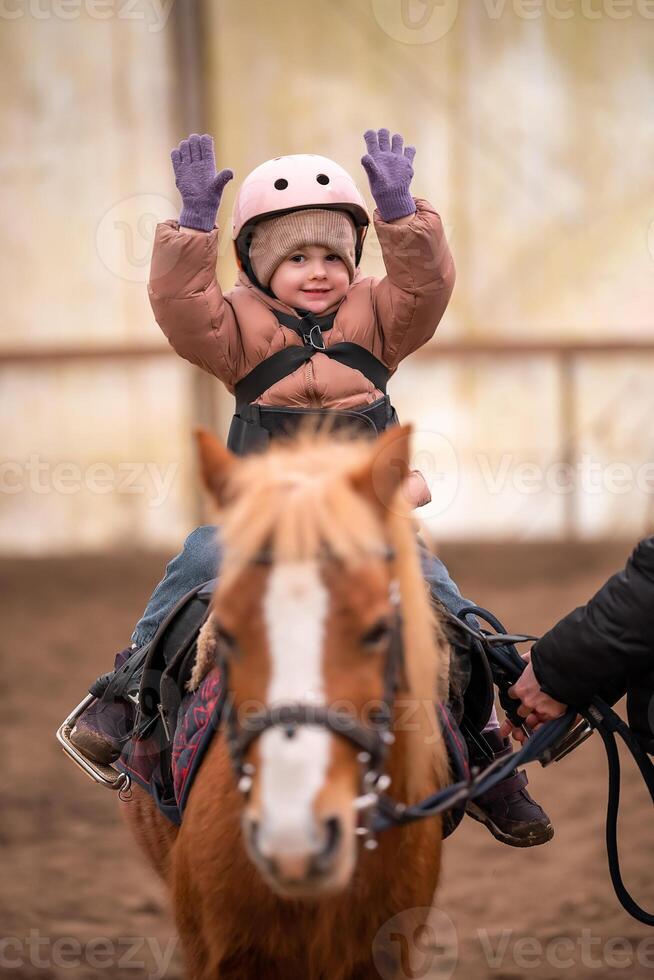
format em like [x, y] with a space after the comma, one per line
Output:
[201, 187]
[389, 170]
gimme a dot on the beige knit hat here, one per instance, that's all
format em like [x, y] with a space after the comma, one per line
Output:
[275, 238]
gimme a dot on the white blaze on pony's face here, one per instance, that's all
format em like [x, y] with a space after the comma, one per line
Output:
[293, 769]
[304, 633]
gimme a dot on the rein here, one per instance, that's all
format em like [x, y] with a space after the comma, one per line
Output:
[507, 665]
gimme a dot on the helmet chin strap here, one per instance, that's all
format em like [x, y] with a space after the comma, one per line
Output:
[243, 262]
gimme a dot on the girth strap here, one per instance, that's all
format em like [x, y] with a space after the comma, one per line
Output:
[289, 359]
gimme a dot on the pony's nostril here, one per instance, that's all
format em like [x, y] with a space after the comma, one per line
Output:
[333, 834]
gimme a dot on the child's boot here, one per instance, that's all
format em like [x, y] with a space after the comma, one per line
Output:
[101, 731]
[508, 810]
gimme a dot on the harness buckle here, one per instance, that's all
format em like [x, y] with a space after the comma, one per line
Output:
[318, 343]
[164, 721]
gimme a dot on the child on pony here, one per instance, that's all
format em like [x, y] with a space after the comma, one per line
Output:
[302, 333]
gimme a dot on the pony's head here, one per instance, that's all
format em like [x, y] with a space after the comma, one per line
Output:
[320, 560]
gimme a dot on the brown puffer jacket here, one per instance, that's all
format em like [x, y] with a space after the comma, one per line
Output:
[229, 335]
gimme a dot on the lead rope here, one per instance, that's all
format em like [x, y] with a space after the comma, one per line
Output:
[607, 723]
[507, 666]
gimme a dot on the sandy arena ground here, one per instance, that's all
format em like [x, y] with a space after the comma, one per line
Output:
[76, 899]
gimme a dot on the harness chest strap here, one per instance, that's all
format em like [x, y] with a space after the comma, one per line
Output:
[283, 363]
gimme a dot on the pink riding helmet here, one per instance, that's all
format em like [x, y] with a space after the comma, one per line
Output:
[293, 183]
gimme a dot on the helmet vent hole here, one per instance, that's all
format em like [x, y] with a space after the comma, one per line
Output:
[281, 184]
[322, 179]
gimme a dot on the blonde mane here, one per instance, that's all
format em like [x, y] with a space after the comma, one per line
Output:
[295, 502]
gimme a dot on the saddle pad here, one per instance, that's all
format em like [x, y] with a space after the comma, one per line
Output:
[199, 720]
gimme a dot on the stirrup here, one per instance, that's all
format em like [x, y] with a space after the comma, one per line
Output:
[105, 775]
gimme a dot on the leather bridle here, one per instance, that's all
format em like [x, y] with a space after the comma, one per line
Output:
[371, 740]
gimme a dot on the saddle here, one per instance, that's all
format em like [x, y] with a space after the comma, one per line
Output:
[173, 726]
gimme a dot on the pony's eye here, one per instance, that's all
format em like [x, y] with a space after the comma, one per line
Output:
[378, 636]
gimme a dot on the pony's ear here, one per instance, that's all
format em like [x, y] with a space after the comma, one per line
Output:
[381, 476]
[217, 465]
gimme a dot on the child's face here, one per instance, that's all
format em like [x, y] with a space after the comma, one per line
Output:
[313, 279]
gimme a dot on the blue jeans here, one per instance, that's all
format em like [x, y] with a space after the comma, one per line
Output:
[200, 560]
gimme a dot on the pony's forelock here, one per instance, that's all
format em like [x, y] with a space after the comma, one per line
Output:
[296, 501]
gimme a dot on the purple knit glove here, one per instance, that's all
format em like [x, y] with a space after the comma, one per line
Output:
[201, 187]
[389, 172]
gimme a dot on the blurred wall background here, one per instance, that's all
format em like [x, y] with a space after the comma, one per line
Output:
[535, 142]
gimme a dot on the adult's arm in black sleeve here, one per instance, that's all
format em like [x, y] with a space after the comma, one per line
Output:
[607, 645]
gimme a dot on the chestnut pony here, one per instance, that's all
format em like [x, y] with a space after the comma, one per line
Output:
[270, 880]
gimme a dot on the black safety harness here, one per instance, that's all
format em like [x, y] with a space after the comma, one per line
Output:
[253, 426]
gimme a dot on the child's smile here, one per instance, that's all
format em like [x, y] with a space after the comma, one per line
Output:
[312, 278]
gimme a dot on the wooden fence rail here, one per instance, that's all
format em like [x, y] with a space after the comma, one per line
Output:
[567, 355]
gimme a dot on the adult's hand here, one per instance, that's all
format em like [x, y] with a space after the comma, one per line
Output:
[536, 707]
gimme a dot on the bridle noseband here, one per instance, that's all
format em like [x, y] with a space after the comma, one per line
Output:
[372, 741]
